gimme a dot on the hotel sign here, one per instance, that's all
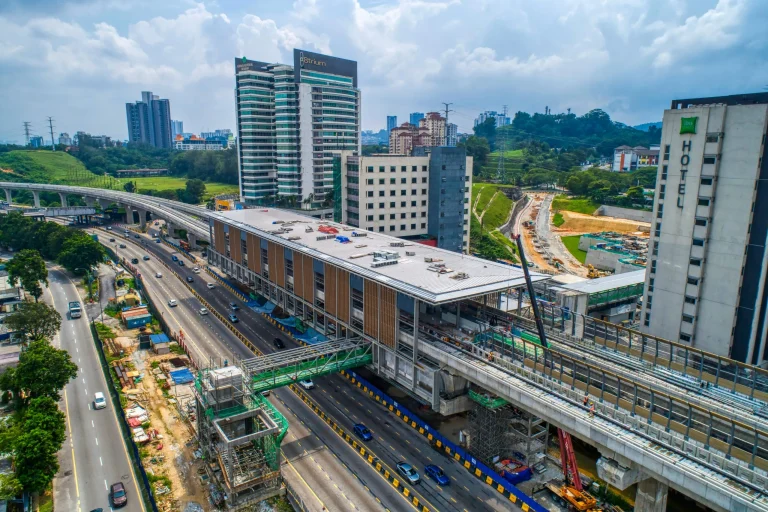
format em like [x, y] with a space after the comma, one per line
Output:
[688, 125]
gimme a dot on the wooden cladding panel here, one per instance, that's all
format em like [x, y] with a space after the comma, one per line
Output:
[309, 280]
[218, 235]
[298, 274]
[254, 253]
[331, 289]
[234, 245]
[387, 330]
[272, 260]
[280, 265]
[342, 292]
[371, 308]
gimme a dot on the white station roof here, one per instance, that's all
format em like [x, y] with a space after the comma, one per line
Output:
[411, 275]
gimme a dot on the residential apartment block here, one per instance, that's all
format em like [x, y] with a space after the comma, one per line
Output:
[707, 275]
[149, 121]
[290, 121]
[421, 198]
[501, 118]
[430, 132]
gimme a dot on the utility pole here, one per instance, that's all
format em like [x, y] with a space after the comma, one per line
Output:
[50, 125]
[445, 132]
[27, 126]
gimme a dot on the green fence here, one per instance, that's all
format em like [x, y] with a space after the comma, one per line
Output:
[487, 402]
[615, 295]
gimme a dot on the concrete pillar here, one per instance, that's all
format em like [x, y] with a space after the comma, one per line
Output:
[142, 218]
[192, 239]
[651, 496]
[89, 201]
[104, 203]
[8, 197]
[63, 199]
[36, 197]
[128, 214]
[171, 229]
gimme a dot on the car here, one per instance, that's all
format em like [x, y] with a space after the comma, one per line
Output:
[265, 393]
[157, 223]
[146, 258]
[172, 303]
[362, 432]
[109, 228]
[158, 275]
[408, 472]
[181, 263]
[134, 260]
[307, 384]
[189, 279]
[278, 343]
[111, 239]
[174, 257]
[210, 286]
[98, 401]
[233, 318]
[117, 495]
[436, 474]
[196, 270]
[157, 240]
[136, 236]
[234, 306]
[203, 311]
[122, 246]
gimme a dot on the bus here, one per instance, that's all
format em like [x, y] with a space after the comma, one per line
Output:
[74, 310]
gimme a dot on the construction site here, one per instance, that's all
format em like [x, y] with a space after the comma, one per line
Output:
[615, 252]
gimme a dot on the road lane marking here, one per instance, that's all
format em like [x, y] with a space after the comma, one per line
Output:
[92, 424]
[72, 444]
[105, 485]
[97, 441]
[100, 461]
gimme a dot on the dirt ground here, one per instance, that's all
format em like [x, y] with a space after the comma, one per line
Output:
[578, 223]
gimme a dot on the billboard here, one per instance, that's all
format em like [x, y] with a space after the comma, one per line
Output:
[303, 59]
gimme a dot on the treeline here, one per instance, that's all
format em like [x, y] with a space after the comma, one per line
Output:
[606, 187]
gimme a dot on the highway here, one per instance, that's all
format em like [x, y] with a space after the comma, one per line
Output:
[94, 455]
[393, 442]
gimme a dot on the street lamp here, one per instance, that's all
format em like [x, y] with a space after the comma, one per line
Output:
[90, 289]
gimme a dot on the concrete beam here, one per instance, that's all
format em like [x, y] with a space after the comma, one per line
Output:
[651, 496]
[63, 199]
[36, 197]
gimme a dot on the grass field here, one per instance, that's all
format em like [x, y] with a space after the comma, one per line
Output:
[572, 244]
[173, 183]
[576, 204]
[558, 220]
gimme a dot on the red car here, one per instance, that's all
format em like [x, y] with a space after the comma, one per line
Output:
[117, 495]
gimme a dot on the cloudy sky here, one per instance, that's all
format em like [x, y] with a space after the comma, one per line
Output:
[80, 61]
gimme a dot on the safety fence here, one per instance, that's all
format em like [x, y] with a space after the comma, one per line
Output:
[474, 466]
[145, 487]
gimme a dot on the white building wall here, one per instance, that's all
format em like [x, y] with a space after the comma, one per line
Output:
[305, 138]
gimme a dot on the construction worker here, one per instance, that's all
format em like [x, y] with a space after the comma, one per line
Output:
[591, 409]
[586, 399]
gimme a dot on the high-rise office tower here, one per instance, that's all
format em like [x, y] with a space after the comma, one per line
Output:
[415, 117]
[391, 123]
[707, 274]
[149, 121]
[290, 121]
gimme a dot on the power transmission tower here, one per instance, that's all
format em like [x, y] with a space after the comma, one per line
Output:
[445, 132]
[501, 167]
[50, 125]
[27, 126]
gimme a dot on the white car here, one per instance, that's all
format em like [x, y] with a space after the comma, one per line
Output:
[203, 311]
[109, 228]
[210, 286]
[98, 401]
[307, 384]
[196, 270]
[158, 275]
[172, 303]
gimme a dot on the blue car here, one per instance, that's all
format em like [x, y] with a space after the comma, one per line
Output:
[408, 472]
[362, 432]
[436, 474]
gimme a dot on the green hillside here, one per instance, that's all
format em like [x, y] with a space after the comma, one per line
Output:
[490, 210]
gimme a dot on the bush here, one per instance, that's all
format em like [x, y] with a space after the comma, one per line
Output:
[558, 220]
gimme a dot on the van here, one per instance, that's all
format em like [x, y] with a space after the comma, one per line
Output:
[98, 401]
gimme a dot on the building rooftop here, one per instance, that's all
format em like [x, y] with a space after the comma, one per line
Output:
[606, 283]
[401, 266]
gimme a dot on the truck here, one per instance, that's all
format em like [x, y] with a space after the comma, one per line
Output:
[74, 310]
[184, 245]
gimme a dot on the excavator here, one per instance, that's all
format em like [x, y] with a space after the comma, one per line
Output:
[570, 492]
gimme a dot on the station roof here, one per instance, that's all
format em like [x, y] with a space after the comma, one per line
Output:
[411, 274]
[604, 284]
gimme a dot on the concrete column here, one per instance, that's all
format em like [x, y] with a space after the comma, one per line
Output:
[103, 203]
[36, 197]
[415, 341]
[8, 197]
[192, 239]
[63, 199]
[651, 496]
[142, 218]
[171, 229]
[89, 201]
[128, 214]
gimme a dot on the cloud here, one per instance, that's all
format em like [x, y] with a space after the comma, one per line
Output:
[305, 10]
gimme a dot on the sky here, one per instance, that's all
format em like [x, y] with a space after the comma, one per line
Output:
[80, 61]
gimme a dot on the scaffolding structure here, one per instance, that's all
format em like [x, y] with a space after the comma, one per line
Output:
[240, 434]
[488, 426]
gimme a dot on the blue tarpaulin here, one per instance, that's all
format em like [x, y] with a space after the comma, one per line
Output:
[311, 337]
[158, 338]
[182, 376]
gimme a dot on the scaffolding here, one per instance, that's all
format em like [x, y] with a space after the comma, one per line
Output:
[240, 434]
[488, 426]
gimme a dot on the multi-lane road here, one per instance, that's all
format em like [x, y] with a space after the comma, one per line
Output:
[321, 466]
[94, 455]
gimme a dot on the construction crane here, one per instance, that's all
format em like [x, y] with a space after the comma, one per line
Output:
[570, 493]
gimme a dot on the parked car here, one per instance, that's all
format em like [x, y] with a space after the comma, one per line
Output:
[210, 286]
[158, 275]
[117, 495]
[408, 472]
[307, 384]
[98, 401]
[234, 306]
[437, 474]
[146, 258]
[172, 303]
[233, 318]
[203, 311]
[189, 279]
[278, 343]
[362, 432]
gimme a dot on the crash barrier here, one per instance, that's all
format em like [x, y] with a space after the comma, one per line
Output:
[229, 286]
[440, 442]
[145, 487]
[183, 251]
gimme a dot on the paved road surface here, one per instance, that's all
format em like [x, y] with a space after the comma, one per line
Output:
[94, 454]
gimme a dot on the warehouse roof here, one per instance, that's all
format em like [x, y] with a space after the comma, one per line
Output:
[448, 277]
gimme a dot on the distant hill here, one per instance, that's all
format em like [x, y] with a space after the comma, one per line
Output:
[647, 126]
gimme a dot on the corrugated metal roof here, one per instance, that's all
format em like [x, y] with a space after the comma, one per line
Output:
[603, 284]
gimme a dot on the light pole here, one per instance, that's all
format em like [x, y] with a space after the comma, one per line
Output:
[90, 290]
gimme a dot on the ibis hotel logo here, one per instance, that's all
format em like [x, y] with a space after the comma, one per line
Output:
[310, 61]
[688, 125]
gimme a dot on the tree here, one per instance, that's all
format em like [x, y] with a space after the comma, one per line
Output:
[28, 268]
[81, 251]
[194, 191]
[36, 460]
[487, 130]
[44, 413]
[478, 148]
[37, 320]
[10, 487]
[130, 187]
[43, 371]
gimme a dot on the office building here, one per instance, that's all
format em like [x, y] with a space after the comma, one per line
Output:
[451, 134]
[391, 123]
[423, 198]
[707, 275]
[626, 159]
[149, 121]
[501, 118]
[415, 117]
[177, 128]
[195, 143]
[290, 122]
[65, 139]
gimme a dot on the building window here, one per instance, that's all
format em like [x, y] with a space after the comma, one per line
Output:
[392, 193]
[369, 181]
[403, 192]
[696, 262]
[392, 204]
[690, 300]
[698, 242]
[413, 203]
[423, 214]
[391, 216]
[663, 172]
[381, 216]
[392, 168]
[413, 215]
[392, 228]
[369, 193]
[381, 205]
[414, 168]
[423, 191]
[381, 181]
[381, 229]
[688, 319]
[666, 152]
[381, 193]
[370, 168]
[403, 181]
[423, 203]
[402, 204]
[650, 285]
[711, 137]
[701, 222]
[369, 218]
[423, 168]
[653, 266]
[655, 251]
[423, 179]
[647, 322]
[381, 168]
[370, 206]
[403, 168]
[414, 180]
[413, 191]
[685, 337]
[693, 280]
[709, 160]
[703, 202]
[392, 181]
[402, 215]
[423, 225]
[706, 181]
